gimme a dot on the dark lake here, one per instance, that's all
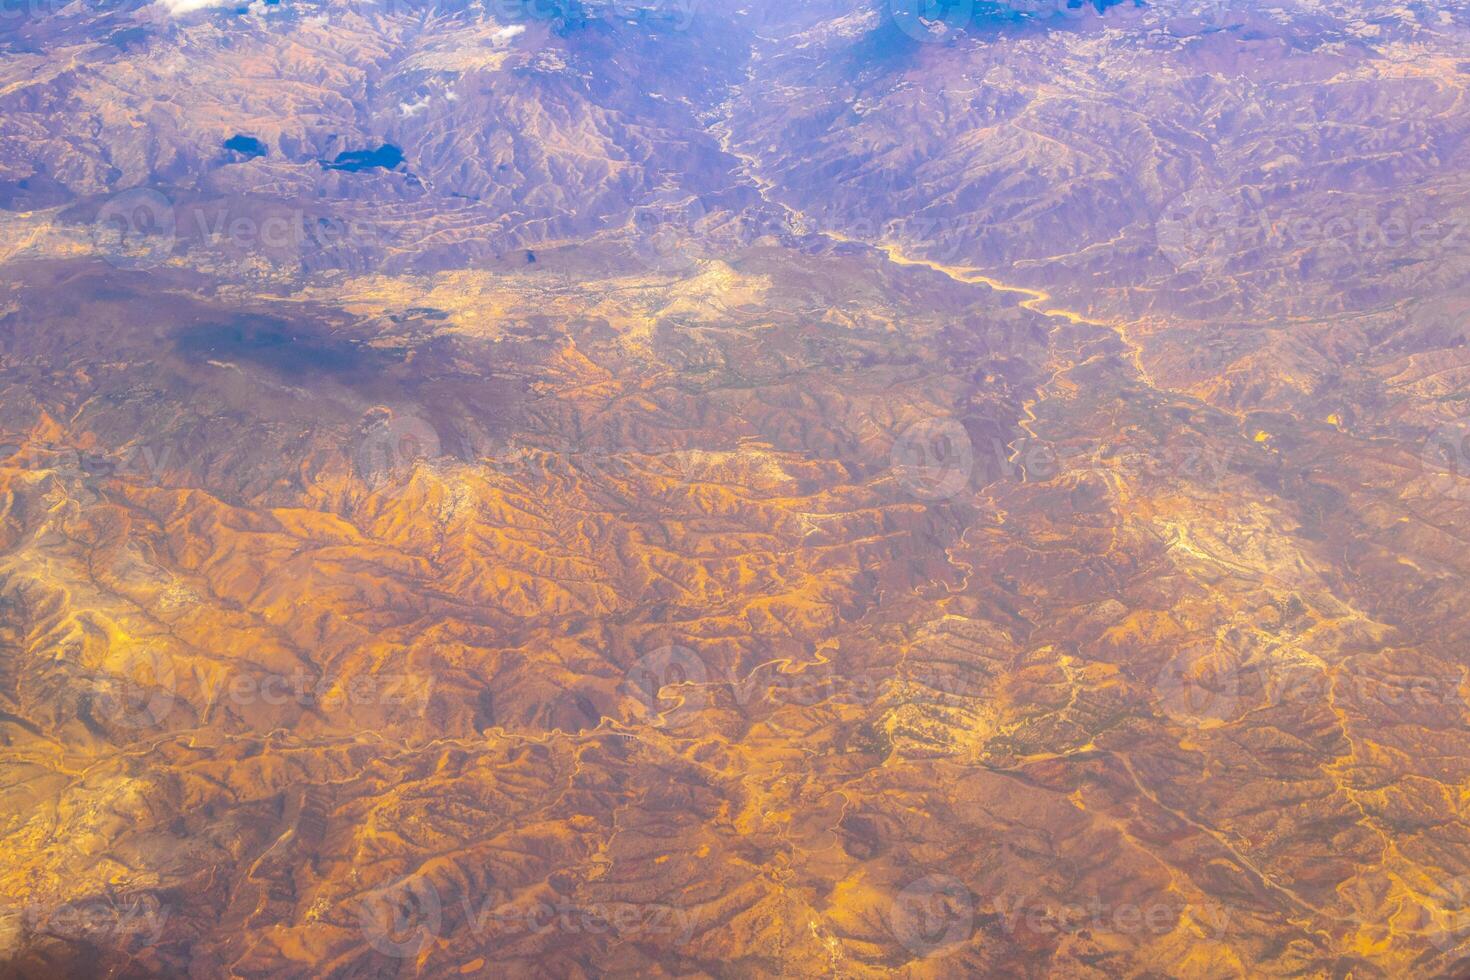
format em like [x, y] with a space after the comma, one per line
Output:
[248, 145]
[385, 157]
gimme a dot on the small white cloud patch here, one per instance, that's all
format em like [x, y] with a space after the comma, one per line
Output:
[179, 8]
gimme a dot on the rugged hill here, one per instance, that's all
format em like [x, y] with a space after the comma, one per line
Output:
[573, 489]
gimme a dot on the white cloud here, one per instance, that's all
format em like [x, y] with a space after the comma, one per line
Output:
[179, 8]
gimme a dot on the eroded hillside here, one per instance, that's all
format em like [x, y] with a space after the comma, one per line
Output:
[669, 490]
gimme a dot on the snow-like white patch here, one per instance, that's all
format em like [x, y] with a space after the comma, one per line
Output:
[179, 8]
